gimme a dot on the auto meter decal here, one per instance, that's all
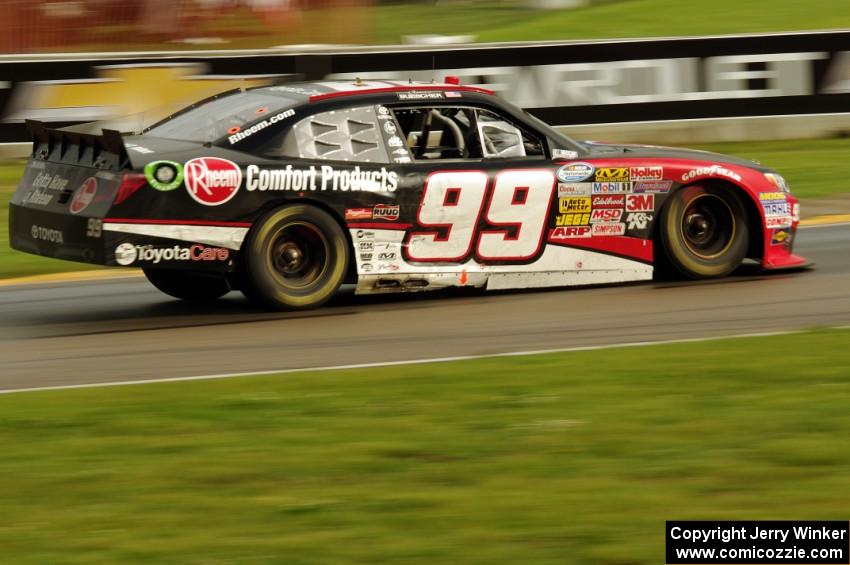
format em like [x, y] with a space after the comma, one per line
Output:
[164, 175]
[84, 195]
[212, 181]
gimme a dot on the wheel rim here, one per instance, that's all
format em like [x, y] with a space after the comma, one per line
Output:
[708, 226]
[299, 254]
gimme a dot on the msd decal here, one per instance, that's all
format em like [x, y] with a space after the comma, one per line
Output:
[84, 195]
[212, 181]
[600, 215]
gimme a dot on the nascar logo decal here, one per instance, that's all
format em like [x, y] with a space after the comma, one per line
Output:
[212, 181]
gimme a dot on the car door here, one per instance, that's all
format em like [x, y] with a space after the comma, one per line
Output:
[481, 188]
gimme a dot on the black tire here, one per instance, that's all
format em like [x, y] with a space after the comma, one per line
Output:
[704, 231]
[295, 258]
[188, 285]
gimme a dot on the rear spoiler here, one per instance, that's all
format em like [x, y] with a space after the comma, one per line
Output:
[105, 151]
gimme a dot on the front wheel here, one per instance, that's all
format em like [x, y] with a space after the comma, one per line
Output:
[295, 258]
[188, 285]
[704, 231]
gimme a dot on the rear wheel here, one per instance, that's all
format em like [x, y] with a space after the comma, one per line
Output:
[295, 258]
[188, 285]
[704, 231]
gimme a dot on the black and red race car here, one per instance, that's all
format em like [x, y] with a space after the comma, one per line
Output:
[285, 192]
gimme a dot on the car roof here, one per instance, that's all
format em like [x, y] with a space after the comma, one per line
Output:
[323, 90]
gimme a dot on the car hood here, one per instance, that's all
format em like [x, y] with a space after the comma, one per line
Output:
[603, 150]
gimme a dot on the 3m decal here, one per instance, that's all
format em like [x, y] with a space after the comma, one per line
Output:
[84, 195]
[612, 174]
[212, 181]
[164, 175]
[575, 172]
[640, 203]
[517, 208]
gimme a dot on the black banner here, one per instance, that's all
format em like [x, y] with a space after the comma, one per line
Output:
[757, 542]
[566, 83]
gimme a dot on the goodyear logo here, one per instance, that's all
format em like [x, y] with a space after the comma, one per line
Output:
[617, 174]
[579, 219]
[576, 204]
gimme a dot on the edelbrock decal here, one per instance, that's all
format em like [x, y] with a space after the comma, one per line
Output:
[212, 181]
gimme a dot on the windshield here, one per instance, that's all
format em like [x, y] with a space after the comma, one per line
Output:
[222, 116]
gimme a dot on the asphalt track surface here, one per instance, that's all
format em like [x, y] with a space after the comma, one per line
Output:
[124, 330]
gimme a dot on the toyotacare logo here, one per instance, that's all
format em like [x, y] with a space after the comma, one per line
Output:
[127, 253]
[212, 181]
[84, 195]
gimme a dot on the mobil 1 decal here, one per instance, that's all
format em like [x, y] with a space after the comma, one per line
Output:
[496, 218]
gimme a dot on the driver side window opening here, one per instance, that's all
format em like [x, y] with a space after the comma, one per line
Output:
[463, 133]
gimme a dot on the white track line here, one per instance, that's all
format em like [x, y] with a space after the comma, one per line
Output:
[407, 362]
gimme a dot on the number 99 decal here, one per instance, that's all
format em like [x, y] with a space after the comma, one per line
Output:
[451, 208]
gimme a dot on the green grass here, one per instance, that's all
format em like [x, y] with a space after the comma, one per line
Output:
[493, 21]
[565, 458]
[815, 168]
[488, 20]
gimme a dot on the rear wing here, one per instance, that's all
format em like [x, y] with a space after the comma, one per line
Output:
[105, 151]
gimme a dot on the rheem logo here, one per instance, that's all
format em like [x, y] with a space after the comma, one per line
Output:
[212, 181]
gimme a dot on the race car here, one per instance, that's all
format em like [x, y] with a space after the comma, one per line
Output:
[286, 192]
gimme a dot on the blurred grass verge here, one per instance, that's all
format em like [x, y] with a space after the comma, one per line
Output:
[563, 458]
[486, 20]
[815, 168]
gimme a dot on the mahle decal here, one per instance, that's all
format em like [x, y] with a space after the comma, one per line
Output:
[164, 175]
